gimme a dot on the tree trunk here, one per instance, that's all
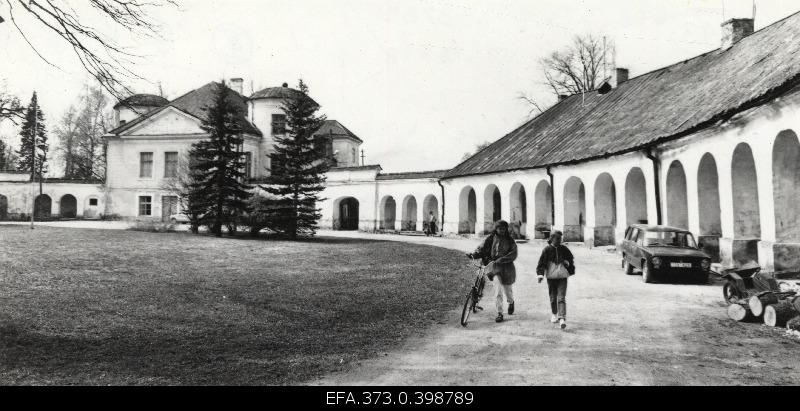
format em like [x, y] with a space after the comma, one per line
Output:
[761, 300]
[740, 312]
[777, 315]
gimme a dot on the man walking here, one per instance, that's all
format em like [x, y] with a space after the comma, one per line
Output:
[556, 264]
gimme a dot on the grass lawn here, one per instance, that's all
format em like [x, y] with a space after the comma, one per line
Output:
[122, 307]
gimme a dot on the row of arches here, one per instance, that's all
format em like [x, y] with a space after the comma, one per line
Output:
[43, 206]
[574, 196]
[409, 220]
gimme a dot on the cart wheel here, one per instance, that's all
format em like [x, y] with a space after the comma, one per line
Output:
[730, 293]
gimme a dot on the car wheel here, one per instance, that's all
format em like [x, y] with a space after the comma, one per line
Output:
[647, 275]
[627, 266]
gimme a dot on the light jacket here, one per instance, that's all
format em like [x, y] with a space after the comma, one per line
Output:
[551, 254]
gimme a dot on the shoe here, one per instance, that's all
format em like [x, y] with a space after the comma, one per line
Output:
[563, 324]
[553, 319]
[499, 318]
[511, 309]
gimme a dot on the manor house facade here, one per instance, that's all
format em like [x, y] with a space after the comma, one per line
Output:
[708, 144]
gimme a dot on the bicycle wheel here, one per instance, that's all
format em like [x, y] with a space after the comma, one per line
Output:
[467, 310]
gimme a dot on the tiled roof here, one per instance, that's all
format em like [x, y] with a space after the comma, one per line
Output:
[284, 92]
[143, 100]
[662, 105]
[356, 168]
[336, 129]
[412, 175]
[194, 103]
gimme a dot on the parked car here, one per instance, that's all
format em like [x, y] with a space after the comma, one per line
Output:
[660, 251]
[179, 218]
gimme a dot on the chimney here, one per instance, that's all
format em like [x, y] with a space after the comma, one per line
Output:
[734, 30]
[622, 75]
[562, 97]
[237, 85]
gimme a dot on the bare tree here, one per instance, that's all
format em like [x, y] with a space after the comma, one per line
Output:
[10, 109]
[80, 133]
[105, 59]
[582, 66]
[67, 133]
[478, 148]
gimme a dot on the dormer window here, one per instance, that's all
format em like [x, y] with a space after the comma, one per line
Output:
[122, 122]
[278, 124]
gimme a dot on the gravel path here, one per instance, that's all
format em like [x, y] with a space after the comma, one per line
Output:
[621, 332]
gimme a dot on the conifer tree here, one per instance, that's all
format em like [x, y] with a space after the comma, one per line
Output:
[298, 173]
[218, 191]
[28, 135]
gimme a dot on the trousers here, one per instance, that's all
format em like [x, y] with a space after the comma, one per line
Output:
[499, 291]
[558, 297]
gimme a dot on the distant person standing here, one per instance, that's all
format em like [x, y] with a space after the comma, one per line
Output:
[556, 264]
[432, 224]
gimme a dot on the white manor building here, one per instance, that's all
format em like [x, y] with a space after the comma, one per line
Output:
[709, 144]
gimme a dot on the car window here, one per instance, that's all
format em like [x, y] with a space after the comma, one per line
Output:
[640, 235]
[631, 235]
[669, 239]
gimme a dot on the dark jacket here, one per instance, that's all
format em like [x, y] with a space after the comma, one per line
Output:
[558, 256]
[503, 264]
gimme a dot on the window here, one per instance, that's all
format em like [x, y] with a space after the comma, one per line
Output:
[145, 165]
[93, 202]
[122, 122]
[145, 205]
[278, 124]
[171, 164]
[669, 239]
[355, 157]
[248, 164]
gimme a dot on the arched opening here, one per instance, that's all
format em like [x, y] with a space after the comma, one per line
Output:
[409, 221]
[709, 208]
[786, 187]
[544, 210]
[467, 211]
[345, 214]
[388, 213]
[492, 207]
[519, 211]
[3, 207]
[430, 207]
[68, 206]
[677, 203]
[635, 197]
[746, 218]
[43, 206]
[605, 210]
[574, 209]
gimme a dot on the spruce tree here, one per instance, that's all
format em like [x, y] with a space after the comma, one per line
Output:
[218, 191]
[298, 172]
[33, 118]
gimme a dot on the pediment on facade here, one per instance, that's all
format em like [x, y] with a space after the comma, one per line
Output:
[169, 121]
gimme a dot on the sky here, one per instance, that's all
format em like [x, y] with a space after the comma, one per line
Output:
[420, 81]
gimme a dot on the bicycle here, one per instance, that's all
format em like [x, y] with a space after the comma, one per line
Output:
[475, 293]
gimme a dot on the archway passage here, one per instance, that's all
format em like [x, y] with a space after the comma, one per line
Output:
[677, 202]
[635, 197]
[430, 207]
[347, 219]
[574, 209]
[605, 209]
[709, 207]
[746, 213]
[519, 211]
[3, 207]
[492, 207]
[409, 221]
[388, 213]
[43, 206]
[467, 211]
[68, 206]
[544, 210]
[786, 187]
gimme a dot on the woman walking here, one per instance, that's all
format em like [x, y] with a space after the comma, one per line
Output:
[500, 249]
[556, 264]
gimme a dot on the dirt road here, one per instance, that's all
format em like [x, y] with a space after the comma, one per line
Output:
[621, 332]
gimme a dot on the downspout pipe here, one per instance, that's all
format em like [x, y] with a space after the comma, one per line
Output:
[552, 197]
[441, 229]
[656, 172]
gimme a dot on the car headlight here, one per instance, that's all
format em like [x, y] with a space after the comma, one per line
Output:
[656, 262]
[705, 264]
